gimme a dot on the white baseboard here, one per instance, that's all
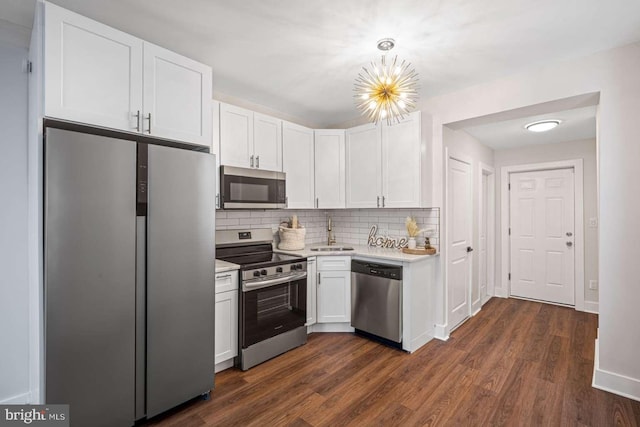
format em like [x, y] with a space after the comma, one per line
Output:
[475, 308]
[332, 327]
[441, 332]
[223, 365]
[20, 399]
[614, 383]
[501, 293]
[418, 342]
[486, 299]
[591, 307]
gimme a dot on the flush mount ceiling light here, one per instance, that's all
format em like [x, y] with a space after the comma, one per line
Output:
[542, 125]
[389, 90]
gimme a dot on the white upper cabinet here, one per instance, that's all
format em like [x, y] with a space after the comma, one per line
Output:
[93, 73]
[298, 164]
[385, 165]
[236, 136]
[176, 105]
[330, 168]
[249, 140]
[267, 142]
[401, 163]
[97, 75]
[364, 167]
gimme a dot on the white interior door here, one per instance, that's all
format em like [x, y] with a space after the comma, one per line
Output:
[482, 243]
[542, 235]
[459, 218]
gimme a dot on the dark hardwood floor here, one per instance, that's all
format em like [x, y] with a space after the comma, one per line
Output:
[516, 363]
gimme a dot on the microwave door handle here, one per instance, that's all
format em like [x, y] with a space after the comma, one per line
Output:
[277, 281]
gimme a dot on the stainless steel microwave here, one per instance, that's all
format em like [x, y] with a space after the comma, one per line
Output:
[244, 188]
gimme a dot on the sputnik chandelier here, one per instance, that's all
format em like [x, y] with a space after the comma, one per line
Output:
[389, 90]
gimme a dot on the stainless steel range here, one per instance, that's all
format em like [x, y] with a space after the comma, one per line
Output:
[273, 287]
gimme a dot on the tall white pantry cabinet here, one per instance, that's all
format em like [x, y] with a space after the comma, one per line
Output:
[97, 75]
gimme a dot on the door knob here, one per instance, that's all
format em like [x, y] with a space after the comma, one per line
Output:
[569, 234]
[569, 244]
[469, 249]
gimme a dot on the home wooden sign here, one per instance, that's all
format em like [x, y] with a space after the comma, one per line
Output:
[385, 241]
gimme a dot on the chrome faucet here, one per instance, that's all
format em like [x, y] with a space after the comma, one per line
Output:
[330, 237]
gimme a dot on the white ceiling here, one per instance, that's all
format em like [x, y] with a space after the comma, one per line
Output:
[301, 57]
[576, 124]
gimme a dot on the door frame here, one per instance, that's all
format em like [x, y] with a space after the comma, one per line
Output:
[465, 159]
[575, 164]
[490, 172]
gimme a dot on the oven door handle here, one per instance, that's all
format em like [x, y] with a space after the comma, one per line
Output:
[250, 286]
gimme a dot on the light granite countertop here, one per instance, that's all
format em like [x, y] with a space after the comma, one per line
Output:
[362, 251]
[222, 266]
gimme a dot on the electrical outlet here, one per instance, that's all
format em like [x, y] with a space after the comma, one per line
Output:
[593, 284]
[593, 222]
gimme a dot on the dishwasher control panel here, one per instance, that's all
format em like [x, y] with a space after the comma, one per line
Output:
[374, 269]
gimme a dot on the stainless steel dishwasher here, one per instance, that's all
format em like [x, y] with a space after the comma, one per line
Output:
[376, 300]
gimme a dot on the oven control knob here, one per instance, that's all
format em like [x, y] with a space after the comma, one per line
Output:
[256, 274]
[263, 272]
[298, 266]
[278, 269]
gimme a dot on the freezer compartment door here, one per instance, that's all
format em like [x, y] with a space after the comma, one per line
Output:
[180, 276]
[90, 273]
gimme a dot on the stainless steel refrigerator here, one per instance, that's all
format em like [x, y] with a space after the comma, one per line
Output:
[129, 276]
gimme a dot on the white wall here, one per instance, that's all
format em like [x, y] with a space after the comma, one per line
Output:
[461, 143]
[585, 150]
[14, 290]
[613, 73]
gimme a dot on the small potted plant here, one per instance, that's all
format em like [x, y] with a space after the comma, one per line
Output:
[413, 231]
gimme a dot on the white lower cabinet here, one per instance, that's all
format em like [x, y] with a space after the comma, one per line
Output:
[226, 323]
[226, 342]
[311, 291]
[334, 289]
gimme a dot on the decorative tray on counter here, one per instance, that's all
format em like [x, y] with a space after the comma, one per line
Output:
[419, 251]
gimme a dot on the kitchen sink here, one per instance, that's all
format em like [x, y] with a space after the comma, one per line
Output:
[331, 248]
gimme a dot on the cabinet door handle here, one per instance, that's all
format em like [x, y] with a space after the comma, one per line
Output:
[383, 201]
[257, 161]
[318, 279]
[218, 201]
[251, 161]
[317, 202]
[286, 201]
[149, 118]
[378, 202]
[137, 116]
[223, 277]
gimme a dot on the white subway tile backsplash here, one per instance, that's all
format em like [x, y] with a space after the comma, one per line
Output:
[351, 226]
